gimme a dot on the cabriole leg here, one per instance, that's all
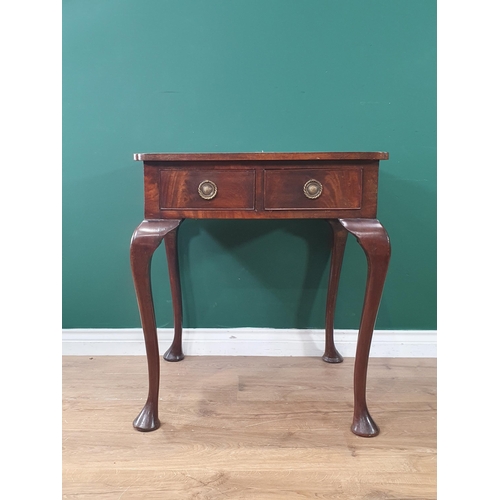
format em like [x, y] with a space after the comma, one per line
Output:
[339, 237]
[374, 240]
[145, 240]
[174, 352]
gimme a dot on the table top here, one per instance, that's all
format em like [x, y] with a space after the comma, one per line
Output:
[378, 155]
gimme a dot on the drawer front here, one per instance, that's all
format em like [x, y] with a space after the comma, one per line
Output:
[207, 189]
[313, 189]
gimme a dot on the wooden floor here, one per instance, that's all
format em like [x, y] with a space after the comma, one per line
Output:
[248, 428]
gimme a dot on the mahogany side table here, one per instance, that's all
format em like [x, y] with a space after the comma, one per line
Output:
[338, 187]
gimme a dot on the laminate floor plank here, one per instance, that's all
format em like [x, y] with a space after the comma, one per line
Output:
[248, 428]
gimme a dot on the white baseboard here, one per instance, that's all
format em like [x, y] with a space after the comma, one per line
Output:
[249, 342]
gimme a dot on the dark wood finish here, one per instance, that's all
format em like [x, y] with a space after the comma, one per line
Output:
[256, 189]
[174, 353]
[145, 240]
[376, 155]
[374, 241]
[339, 238]
[284, 189]
[179, 189]
[261, 186]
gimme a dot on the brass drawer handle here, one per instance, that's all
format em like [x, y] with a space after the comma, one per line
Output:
[313, 189]
[207, 190]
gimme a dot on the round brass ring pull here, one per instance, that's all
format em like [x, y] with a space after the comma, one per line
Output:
[207, 190]
[313, 189]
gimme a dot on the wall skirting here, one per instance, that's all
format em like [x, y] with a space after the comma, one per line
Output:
[249, 342]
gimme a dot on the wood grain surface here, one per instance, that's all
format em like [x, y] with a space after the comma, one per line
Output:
[284, 189]
[320, 155]
[179, 189]
[248, 428]
[260, 189]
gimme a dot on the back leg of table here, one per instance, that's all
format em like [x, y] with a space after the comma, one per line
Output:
[339, 237]
[174, 352]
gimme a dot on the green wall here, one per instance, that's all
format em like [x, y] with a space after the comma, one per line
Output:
[255, 75]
